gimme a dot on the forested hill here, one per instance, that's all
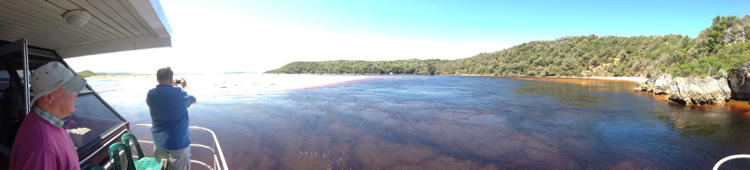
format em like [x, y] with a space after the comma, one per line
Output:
[721, 46]
[413, 66]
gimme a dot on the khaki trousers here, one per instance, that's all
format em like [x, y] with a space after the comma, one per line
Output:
[176, 159]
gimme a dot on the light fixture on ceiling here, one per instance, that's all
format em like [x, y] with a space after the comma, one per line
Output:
[77, 17]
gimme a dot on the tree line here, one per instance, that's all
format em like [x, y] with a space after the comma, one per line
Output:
[721, 46]
[412, 66]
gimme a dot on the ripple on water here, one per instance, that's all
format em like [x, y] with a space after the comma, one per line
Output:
[447, 122]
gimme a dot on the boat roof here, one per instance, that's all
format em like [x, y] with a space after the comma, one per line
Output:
[115, 25]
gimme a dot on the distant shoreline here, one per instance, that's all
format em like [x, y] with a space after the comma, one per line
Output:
[631, 79]
[116, 76]
[248, 83]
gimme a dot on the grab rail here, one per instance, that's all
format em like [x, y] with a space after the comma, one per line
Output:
[728, 158]
[220, 161]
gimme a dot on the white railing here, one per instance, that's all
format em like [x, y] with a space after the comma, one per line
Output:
[219, 161]
[728, 158]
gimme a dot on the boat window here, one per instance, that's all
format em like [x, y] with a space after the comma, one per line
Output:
[86, 90]
[12, 108]
[4, 80]
[90, 121]
[86, 126]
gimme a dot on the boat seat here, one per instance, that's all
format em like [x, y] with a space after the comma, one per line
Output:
[142, 162]
[129, 140]
[117, 160]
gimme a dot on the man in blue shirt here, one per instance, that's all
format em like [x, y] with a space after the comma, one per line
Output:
[168, 106]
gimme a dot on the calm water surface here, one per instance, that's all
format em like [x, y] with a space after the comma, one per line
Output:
[448, 122]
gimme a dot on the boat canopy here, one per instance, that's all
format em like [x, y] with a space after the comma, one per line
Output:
[35, 32]
[114, 25]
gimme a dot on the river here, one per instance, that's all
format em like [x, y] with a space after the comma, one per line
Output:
[453, 122]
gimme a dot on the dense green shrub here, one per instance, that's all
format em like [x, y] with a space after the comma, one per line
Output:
[413, 66]
[574, 56]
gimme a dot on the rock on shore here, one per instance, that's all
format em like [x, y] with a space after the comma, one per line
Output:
[701, 91]
[739, 82]
[696, 90]
[659, 83]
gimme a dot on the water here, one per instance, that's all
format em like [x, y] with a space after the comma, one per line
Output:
[448, 122]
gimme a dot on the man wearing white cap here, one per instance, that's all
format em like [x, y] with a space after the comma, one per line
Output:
[41, 142]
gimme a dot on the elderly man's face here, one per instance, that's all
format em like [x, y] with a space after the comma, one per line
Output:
[64, 101]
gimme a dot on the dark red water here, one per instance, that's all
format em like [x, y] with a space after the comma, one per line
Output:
[449, 122]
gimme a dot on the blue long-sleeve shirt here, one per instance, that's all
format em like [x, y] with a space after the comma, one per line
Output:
[168, 106]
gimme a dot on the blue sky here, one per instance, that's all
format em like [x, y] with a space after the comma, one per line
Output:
[250, 35]
[500, 21]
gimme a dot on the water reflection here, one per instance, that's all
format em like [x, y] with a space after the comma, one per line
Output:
[580, 92]
[446, 122]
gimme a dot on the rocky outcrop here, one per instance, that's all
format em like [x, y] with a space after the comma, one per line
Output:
[659, 83]
[662, 84]
[642, 86]
[739, 82]
[734, 35]
[701, 91]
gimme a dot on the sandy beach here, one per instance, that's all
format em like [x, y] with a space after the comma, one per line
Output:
[633, 79]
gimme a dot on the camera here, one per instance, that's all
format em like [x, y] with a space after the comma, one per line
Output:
[178, 81]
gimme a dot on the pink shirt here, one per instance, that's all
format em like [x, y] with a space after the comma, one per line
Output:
[41, 145]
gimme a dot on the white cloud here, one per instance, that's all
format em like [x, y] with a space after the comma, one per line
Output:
[433, 7]
[584, 28]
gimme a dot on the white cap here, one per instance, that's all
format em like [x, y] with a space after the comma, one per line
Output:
[50, 76]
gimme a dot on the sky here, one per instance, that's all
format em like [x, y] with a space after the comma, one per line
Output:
[259, 35]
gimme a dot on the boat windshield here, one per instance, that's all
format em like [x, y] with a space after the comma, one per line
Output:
[90, 121]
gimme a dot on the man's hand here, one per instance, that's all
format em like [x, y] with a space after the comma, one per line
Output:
[183, 83]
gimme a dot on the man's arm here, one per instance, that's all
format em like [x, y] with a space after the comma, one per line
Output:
[188, 99]
[184, 84]
[41, 159]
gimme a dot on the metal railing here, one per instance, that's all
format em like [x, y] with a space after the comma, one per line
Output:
[728, 158]
[219, 161]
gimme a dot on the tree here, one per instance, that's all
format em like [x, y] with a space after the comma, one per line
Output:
[595, 61]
